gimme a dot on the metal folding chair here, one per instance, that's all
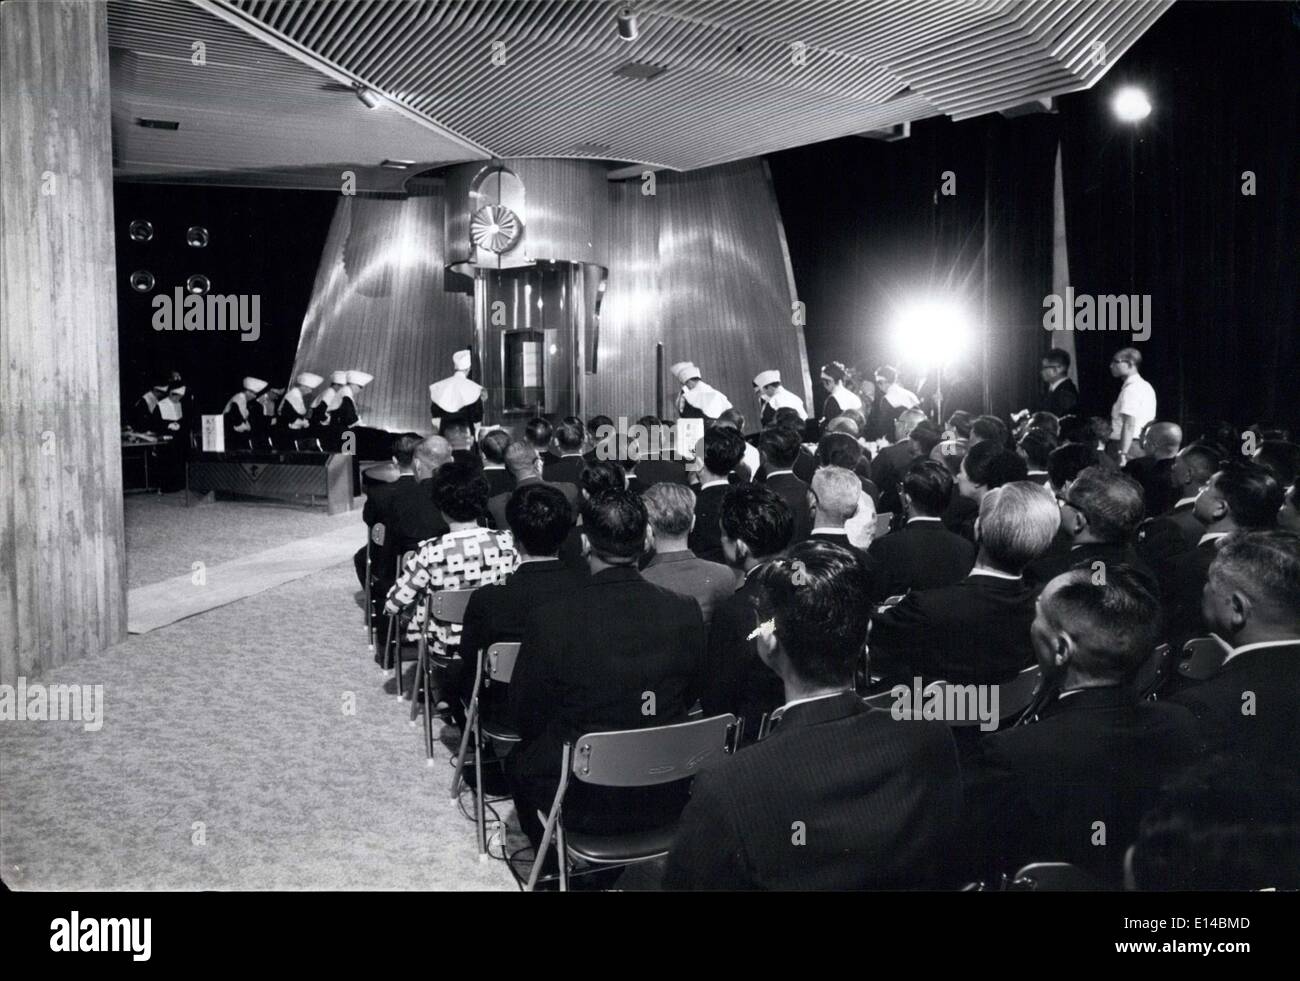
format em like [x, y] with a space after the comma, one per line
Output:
[374, 539]
[495, 665]
[1153, 673]
[1052, 877]
[1202, 658]
[445, 606]
[629, 758]
[393, 637]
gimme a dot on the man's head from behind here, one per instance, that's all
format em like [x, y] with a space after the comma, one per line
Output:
[723, 449]
[570, 434]
[671, 512]
[836, 491]
[927, 489]
[756, 524]
[1193, 467]
[539, 517]
[988, 429]
[986, 466]
[1067, 461]
[1036, 447]
[818, 600]
[1253, 589]
[907, 420]
[404, 447]
[460, 491]
[1102, 506]
[780, 448]
[1240, 495]
[432, 453]
[1095, 627]
[538, 433]
[458, 433]
[614, 527]
[1016, 525]
[494, 444]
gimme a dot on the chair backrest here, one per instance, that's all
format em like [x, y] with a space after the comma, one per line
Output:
[402, 559]
[1052, 877]
[648, 757]
[448, 605]
[1153, 672]
[377, 533]
[883, 521]
[1202, 658]
[1016, 694]
[501, 658]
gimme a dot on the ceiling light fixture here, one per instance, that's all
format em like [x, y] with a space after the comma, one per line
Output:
[367, 97]
[627, 25]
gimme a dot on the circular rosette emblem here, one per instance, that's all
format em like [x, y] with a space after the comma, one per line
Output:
[495, 228]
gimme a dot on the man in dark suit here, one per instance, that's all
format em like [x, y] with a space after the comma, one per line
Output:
[539, 517]
[619, 653]
[838, 796]
[780, 448]
[805, 464]
[1154, 469]
[1241, 496]
[493, 445]
[414, 516]
[837, 496]
[537, 434]
[1100, 513]
[1062, 396]
[525, 467]
[723, 449]
[1073, 785]
[756, 528]
[891, 463]
[978, 630]
[569, 437]
[1252, 601]
[923, 554]
[380, 495]
[654, 452]
[671, 512]
[986, 465]
[1175, 531]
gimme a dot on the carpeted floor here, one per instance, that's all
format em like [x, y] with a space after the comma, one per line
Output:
[226, 759]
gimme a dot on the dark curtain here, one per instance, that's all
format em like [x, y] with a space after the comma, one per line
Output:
[1158, 209]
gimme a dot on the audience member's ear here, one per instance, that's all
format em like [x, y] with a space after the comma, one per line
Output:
[586, 546]
[692, 527]
[649, 537]
[1240, 608]
[977, 531]
[1130, 880]
[742, 551]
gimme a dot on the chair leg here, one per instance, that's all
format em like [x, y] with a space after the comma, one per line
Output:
[548, 833]
[480, 819]
[418, 680]
[562, 853]
[470, 719]
[428, 712]
[388, 643]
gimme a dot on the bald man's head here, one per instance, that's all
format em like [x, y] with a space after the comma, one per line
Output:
[1163, 440]
[431, 454]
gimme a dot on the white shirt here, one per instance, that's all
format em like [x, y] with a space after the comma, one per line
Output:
[1212, 536]
[922, 518]
[714, 483]
[901, 398]
[1137, 399]
[783, 398]
[980, 570]
[752, 458]
[1259, 646]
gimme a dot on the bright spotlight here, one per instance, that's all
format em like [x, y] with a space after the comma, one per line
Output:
[1131, 104]
[932, 333]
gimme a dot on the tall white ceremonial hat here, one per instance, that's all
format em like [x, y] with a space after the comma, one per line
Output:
[461, 360]
[254, 385]
[765, 378]
[310, 380]
[178, 390]
[359, 378]
[684, 371]
[339, 378]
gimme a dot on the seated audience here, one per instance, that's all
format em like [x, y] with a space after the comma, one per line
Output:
[568, 439]
[670, 509]
[617, 653]
[1035, 448]
[889, 465]
[466, 557]
[756, 527]
[752, 460]
[780, 448]
[525, 467]
[1176, 530]
[835, 494]
[838, 796]
[1095, 752]
[978, 630]
[1161, 442]
[723, 449]
[923, 554]
[985, 466]
[603, 436]
[383, 500]
[492, 446]
[1252, 602]
[655, 461]
[538, 433]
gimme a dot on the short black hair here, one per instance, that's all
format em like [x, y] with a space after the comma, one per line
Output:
[839, 450]
[820, 599]
[929, 486]
[1075, 429]
[1116, 622]
[1068, 460]
[460, 491]
[1046, 421]
[570, 433]
[1112, 502]
[614, 523]
[404, 448]
[887, 372]
[835, 370]
[780, 447]
[1252, 491]
[539, 517]
[960, 422]
[538, 432]
[459, 427]
[596, 423]
[1059, 357]
[759, 517]
[599, 476]
[1281, 457]
[925, 436]
[989, 428]
[723, 449]
[786, 417]
[1037, 445]
[989, 465]
[493, 444]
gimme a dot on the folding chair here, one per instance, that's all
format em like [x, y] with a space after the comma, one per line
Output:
[1202, 658]
[1052, 877]
[629, 758]
[375, 539]
[444, 606]
[495, 664]
[1153, 673]
[393, 637]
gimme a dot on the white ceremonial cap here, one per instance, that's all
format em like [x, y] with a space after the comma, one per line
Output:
[359, 378]
[161, 387]
[461, 360]
[765, 378]
[309, 380]
[684, 371]
[178, 390]
[254, 385]
[339, 378]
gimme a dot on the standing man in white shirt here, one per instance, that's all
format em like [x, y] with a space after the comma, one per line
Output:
[1136, 405]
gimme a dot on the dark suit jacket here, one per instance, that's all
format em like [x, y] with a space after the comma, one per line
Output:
[960, 516]
[837, 797]
[499, 480]
[794, 492]
[887, 470]
[1097, 754]
[1063, 401]
[706, 537]
[805, 465]
[413, 517]
[1271, 735]
[653, 471]
[1047, 567]
[708, 583]
[597, 659]
[1156, 480]
[565, 470]
[920, 555]
[497, 504]
[974, 632]
[1185, 577]
[1162, 538]
[735, 679]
